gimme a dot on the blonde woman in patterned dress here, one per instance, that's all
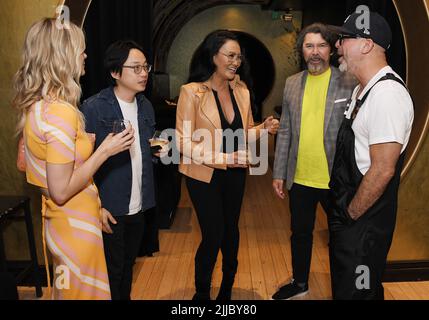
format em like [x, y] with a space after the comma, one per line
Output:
[60, 158]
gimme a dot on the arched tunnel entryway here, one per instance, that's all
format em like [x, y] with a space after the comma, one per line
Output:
[261, 69]
[179, 12]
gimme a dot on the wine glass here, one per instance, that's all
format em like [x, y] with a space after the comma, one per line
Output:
[120, 125]
[242, 153]
[158, 141]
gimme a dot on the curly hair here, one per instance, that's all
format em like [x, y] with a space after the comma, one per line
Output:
[51, 68]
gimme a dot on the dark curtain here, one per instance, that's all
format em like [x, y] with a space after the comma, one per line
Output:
[107, 22]
[335, 12]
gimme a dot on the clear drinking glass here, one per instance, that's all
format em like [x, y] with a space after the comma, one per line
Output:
[242, 153]
[158, 141]
[120, 125]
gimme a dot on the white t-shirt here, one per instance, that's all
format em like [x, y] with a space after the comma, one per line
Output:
[386, 116]
[129, 111]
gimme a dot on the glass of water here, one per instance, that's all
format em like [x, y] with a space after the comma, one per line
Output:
[120, 125]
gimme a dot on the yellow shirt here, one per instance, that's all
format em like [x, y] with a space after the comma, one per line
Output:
[312, 165]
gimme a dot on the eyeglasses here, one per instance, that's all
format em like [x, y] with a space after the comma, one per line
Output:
[311, 46]
[233, 56]
[139, 68]
[342, 37]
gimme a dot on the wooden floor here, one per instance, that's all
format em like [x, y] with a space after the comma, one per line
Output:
[264, 255]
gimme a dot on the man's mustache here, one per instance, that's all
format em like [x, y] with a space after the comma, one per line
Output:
[315, 58]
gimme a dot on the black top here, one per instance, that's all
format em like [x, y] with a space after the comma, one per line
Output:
[236, 124]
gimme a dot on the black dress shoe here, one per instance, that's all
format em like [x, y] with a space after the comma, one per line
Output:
[224, 294]
[291, 290]
[201, 296]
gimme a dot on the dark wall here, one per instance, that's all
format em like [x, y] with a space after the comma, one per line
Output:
[262, 70]
[335, 12]
[107, 22]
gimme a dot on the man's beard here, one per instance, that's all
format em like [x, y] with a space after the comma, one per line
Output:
[316, 68]
[343, 67]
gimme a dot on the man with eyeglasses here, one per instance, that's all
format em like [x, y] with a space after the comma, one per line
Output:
[313, 106]
[368, 161]
[125, 181]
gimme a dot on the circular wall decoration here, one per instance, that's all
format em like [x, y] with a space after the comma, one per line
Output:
[414, 17]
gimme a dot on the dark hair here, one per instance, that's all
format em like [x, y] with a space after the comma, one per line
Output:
[202, 65]
[117, 54]
[326, 33]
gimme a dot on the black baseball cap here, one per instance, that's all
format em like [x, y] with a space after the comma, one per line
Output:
[367, 24]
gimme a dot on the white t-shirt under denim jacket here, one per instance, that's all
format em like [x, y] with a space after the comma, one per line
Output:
[129, 111]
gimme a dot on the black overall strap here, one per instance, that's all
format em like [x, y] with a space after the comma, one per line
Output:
[345, 175]
[365, 242]
[360, 102]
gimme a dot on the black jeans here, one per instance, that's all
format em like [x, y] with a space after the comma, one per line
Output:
[303, 204]
[121, 249]
[218, 206]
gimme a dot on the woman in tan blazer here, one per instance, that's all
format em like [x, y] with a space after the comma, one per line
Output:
[213, 120]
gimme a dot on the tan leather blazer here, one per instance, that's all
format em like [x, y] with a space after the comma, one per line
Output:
[197, 109]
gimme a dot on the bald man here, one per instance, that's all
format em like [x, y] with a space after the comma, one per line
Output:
[369, 155]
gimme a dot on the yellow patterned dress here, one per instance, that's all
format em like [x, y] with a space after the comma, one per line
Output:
[72, 232]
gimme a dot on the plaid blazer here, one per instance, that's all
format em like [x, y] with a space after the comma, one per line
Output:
[340, 90]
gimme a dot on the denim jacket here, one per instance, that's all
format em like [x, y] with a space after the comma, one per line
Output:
[114, 178]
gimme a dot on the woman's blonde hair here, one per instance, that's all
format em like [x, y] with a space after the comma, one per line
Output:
[51, 67]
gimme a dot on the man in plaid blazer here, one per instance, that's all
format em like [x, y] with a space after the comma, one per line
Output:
[314, 103]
